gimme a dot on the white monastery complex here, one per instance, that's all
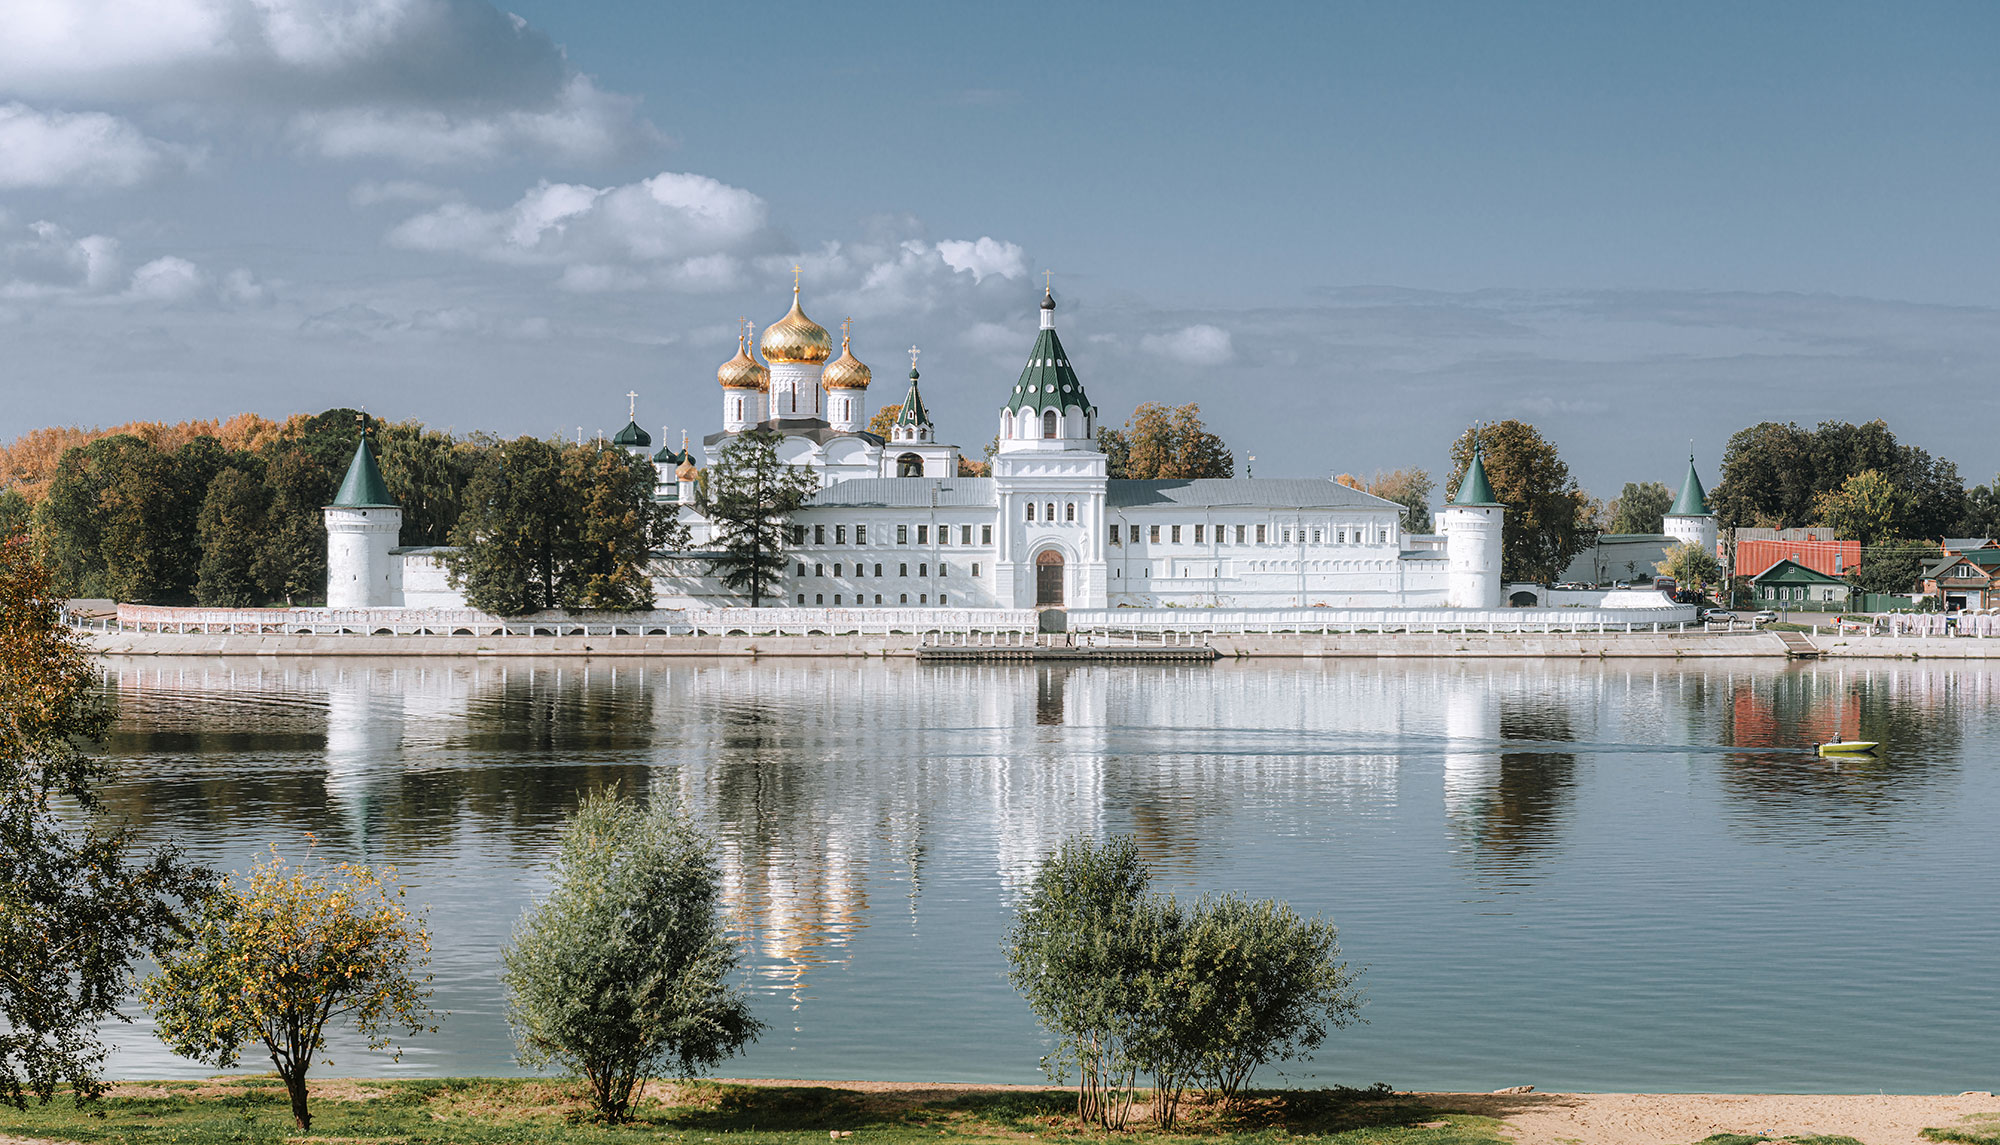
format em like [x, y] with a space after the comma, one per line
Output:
[895, 526]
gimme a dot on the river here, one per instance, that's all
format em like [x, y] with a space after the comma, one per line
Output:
[1582, 875]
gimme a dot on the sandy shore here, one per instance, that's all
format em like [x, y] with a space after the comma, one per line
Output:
[1683, 1118]
[1642, 1118]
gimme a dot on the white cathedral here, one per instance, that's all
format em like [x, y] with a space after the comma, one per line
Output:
[894, 525]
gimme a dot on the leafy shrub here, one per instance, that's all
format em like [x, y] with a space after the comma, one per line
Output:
[1130, 982]
[623, 968]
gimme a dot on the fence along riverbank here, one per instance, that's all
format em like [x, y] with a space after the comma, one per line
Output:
[152, 630]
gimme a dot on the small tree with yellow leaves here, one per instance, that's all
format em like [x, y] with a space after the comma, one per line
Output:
[279, 957]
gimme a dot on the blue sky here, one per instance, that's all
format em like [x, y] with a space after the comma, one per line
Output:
[1346, 230]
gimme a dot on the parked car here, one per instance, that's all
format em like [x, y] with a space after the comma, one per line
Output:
[1717, 614]
[1764, 617]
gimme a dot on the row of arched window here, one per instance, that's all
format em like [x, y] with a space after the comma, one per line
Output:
[1049, 511]
[1049, 425]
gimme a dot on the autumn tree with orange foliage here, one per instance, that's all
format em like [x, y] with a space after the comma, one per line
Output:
[1165, 443]
[282, 954]
[28, 463]
[77, 903]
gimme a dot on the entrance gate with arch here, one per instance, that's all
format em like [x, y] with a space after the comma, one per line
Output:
[1048, 579]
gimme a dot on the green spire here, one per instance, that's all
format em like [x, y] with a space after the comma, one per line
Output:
[1047, 382]
[363, 487]
[914, 412]
[1693, 501]
[1474, 490]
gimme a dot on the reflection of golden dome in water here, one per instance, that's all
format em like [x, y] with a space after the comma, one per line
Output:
[846, 372]
[796, 338]
[743, 372]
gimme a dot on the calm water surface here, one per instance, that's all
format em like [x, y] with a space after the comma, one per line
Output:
[1619, 876]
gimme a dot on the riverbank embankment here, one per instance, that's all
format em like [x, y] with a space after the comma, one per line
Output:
[452, 1110]
[1360, 645]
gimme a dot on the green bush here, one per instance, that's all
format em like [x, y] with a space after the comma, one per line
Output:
[1131, 983]
[623, 968]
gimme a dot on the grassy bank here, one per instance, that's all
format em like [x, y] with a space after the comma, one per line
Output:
[479, 1110]
[254, 1109]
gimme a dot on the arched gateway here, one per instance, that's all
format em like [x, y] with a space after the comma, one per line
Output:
[1049, 579]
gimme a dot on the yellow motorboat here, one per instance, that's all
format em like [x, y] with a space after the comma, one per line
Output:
[1849, 747]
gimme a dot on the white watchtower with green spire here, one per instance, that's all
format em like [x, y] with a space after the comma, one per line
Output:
[1472, 526]
[362, 527]
[1049, 477]
[1689, 521]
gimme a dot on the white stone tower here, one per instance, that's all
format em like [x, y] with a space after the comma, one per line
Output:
[745, 385]
[1472, 527]
[845, 381]
[362, 527]
[796, 348]
[1050, 478]
[1689, 520]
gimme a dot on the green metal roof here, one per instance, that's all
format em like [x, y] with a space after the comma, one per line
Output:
[1792, 572]
[1047, 382]
[1474, 490]
[363, 487]
[668, 456]
[914, 412]
[1693, 501]
[632, 435]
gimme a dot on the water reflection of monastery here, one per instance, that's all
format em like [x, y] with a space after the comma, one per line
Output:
[836, 787]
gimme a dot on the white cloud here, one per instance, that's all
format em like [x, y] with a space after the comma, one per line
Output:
[240, 288]
[168, 279]
[984, 256]
[1197, 345]
[426, 82]
[49, 261]
[674, 229]
[398, 191]
[582, 124]
[298, 52]
[78, 149]
[996, 338]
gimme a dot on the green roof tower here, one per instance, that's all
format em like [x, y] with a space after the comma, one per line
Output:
[1474, 489]
[1690, 521]
[363, 487]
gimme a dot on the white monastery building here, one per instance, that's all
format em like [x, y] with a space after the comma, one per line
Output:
[895, 526]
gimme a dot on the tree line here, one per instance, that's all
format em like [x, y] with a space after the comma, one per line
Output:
[229, 514]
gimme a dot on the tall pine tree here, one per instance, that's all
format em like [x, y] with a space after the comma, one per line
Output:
[750, 500]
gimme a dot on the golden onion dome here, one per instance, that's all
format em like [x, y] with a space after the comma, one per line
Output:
[743, 372]
[686, 472]
[847, 371]
[796, 338]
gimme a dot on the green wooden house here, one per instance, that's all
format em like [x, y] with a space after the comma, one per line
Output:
[1789, 582]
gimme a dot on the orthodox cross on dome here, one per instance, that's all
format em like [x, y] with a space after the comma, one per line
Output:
[795, 278]
[632, 405]
[1048, 280]
[913, 358]
[845, 325]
